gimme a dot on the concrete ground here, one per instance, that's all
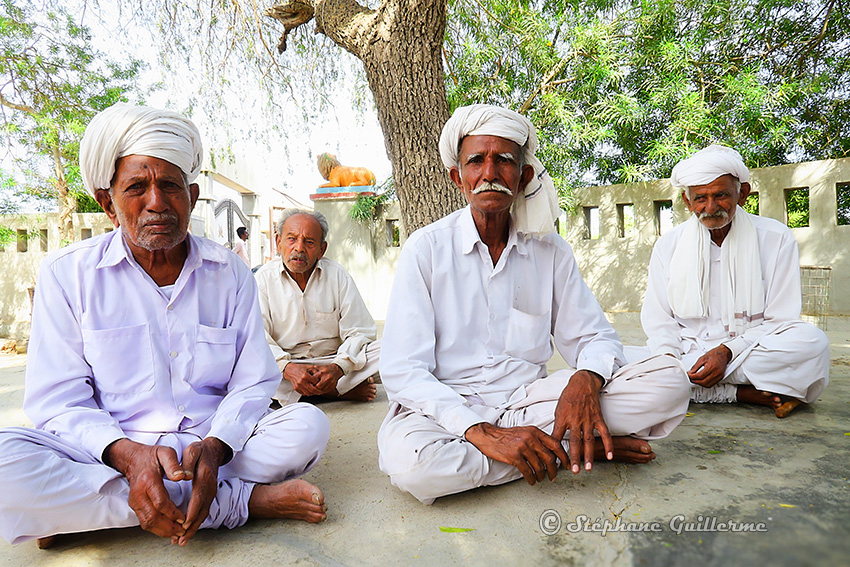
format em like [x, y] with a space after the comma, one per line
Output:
[724, 464]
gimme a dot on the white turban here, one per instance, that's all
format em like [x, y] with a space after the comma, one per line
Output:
[123, 130]
[535, 212]
[707, 165]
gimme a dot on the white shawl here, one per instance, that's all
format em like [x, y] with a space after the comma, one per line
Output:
[742, 292]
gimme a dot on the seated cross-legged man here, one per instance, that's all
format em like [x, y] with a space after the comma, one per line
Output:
[478, 298]
[317, 325]
[723, 295]
[149, 377]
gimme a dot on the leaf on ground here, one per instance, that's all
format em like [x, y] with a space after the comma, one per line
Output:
[788, 505]
[689, 414]
[455, 530]
[714, 452]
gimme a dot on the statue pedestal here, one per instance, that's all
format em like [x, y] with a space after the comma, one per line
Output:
[342, 193]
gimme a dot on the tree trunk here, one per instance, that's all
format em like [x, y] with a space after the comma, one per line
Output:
[400, 47]
[67, 202]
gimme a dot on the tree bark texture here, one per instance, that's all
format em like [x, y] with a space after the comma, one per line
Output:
[400, 45]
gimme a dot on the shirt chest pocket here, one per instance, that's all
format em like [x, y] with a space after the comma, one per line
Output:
[528, 336]
[121, 359]
[329, 318]
[214, 357]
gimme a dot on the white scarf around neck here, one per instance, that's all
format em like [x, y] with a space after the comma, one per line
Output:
[742, 292]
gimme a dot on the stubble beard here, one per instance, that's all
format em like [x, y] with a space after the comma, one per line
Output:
[153, 242]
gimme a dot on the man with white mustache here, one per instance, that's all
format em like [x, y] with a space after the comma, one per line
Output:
[149, 378]
[317, 324]
[478, 300]
[724, 295]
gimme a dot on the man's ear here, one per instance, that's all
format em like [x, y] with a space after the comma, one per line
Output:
[104, 199]
[454, 173]
[526, 177]
[745, 192]
[324, 247]
[194, 191]
[686, 200]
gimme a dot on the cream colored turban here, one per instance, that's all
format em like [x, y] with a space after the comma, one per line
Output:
[707, 165]
[535, 211]
[123, 130]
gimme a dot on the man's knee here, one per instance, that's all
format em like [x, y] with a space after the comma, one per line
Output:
[429, 465]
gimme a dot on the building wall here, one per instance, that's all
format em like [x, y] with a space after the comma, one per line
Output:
[20, 267]
[615, 267]
[363, 250]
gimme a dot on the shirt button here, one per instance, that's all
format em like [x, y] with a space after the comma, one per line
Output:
[170, 307]
[180, 408]
[173, 354]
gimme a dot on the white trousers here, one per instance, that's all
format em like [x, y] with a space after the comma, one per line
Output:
[791, 361]
[647, 400]
[53, 487]
[286, 394]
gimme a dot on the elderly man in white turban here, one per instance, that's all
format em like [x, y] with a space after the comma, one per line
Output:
[149, 377]
[724, 295]
[488, 288]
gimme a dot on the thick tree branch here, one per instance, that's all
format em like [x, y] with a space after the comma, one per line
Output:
[15, 106]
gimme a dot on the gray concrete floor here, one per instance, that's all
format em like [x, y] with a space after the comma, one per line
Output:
[725, 463]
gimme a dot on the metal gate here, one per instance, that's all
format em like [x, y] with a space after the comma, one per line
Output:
[225, 228]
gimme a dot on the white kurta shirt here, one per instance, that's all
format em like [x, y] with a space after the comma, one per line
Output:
[780, 268]
[328, 317]
[240, 250]
[110, 356]
[462, 332]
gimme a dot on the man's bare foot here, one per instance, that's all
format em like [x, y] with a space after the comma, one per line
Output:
[781, 405]
[362, 392]
[296, 499]
[626, 450]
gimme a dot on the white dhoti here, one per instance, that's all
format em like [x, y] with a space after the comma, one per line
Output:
[286, 394]
[791, 361]
[53, 487]
[646, 400]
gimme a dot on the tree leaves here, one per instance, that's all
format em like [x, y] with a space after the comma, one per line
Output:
[53, 82]
[639, 85]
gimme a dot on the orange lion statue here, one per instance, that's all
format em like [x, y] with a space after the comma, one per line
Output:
[342, 175]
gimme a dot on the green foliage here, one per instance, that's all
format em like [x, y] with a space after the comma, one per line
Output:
[367, 208]
[621, 90]
[751, 205]
[53, 82]
[797, 207]
[843, 202]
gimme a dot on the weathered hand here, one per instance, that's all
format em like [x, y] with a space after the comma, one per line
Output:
[529, 449]
[579, 412]
[327, 376]
[710, 367]
[201, 461]
[302, 378]
[144, 467]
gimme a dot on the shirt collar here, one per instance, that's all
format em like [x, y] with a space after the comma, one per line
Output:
[316, 274]
[470, 236]
[200, 250]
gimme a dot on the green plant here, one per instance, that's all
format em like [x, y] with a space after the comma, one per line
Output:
[367, 208]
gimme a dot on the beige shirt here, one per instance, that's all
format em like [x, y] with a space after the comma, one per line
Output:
[328, 317]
